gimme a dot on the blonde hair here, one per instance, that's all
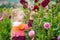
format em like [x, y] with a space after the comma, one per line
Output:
[15, 13]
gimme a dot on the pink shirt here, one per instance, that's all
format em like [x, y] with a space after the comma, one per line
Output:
[17, 32]
[20, 32]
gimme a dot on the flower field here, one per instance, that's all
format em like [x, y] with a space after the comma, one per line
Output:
[46, 22]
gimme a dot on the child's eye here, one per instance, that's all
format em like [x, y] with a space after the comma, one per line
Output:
[21, 14]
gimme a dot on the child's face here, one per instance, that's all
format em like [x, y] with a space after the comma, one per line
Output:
[19, 16]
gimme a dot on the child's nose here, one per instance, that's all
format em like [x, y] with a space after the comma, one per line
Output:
[15, 14]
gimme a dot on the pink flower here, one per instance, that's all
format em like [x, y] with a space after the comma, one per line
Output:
[31, 7]
[1, 18]
[4, 14]
[17, 5]
[58, 38]
[46, 25]
[31, 33]
[12, 3]
[22, 1]
[5, 2]
[46, 7]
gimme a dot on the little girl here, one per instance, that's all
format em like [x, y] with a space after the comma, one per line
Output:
[18, 27]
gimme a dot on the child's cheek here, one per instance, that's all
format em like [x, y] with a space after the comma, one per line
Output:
[21, 17]
[15, 14]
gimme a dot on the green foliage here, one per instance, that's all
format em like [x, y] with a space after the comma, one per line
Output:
[5, 27]
[53, 17]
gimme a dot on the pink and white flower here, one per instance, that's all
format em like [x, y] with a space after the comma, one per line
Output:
[31, 7]
[46, 25]
[31, 33]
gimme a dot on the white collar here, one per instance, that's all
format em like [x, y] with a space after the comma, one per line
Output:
[16, 23]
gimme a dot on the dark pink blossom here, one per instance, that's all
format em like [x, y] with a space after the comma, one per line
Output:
[24, 3]
[36, 1]
[36, 8]
[45, 3]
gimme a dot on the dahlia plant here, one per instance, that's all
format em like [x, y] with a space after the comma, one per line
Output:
[46, 23]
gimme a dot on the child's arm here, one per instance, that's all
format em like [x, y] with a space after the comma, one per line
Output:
[30, 22]
[29, 25]
[45, 3]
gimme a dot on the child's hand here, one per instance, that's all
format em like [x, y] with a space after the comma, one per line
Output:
[30, 28]
[32, 13]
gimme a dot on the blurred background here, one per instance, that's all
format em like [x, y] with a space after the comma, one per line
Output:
[51, 14]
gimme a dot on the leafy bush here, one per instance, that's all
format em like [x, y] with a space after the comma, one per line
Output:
[53, 17]
[5, 27]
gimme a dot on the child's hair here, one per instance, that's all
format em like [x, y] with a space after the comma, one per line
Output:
[15, 13]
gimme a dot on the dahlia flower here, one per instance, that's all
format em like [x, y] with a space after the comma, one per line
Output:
[31, 33]
[45, 3]
[58, 38]
[46, 25]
